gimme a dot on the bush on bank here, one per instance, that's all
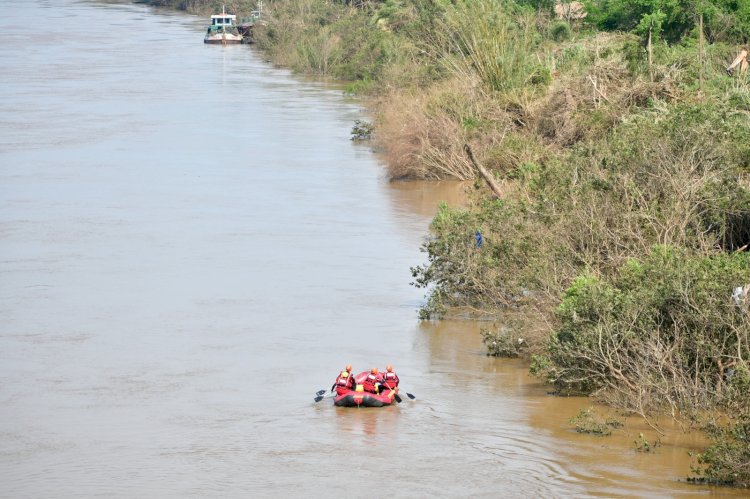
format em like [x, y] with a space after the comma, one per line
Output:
[670, 311]
[665, 178]
[241, 8]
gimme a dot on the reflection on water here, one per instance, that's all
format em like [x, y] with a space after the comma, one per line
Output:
[367, 425]
[422, 197]
[191, 246]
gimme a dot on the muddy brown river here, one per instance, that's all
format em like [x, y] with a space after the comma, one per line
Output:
[191, 247]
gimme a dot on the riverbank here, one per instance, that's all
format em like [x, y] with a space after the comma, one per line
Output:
[620, 146]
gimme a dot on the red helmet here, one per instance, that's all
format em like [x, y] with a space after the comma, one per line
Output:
[348, 367]
[374, 370]
[389, 368]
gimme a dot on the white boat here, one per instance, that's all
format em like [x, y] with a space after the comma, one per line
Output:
[222, 29]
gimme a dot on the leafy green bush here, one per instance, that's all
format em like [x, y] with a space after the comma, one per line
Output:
[723, 19]
[560, 31]
[660, 332]
[727, 460]
[503, 342]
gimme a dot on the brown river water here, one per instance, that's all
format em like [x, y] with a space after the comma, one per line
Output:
[191, 246]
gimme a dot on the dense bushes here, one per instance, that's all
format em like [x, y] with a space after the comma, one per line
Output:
[724, 20]
[671, 313]
[727, 459]
[367, 45]
[241, 8]
[667, 177]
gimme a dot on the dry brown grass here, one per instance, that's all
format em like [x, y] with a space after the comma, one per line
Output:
[582, 106]
[422, 131]
[423, 134]
[400, 132]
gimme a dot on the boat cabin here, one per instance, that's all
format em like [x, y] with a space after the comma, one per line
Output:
[223, 20]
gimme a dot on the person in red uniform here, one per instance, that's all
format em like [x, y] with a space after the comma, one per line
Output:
[390, 378]
[373, 381]
[344, 381]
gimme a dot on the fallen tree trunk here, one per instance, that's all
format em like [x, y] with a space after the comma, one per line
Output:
[486, 175]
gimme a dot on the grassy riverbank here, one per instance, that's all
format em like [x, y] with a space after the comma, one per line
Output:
[241, 8]
[621, 148]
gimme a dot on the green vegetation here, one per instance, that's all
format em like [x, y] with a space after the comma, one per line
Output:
[643, 445]
[503, 341]
[622, 149]
[724, 20]
[241, 8]
[362, 130]
[588, 421]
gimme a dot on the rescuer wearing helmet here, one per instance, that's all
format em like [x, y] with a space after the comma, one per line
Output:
[372, 381]
[344, 381]
[390, 378]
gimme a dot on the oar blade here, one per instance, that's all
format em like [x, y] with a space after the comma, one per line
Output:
[318, 398]
[410, 395]
[320, 392]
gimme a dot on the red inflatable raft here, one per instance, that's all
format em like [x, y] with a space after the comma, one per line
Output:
[361, 398]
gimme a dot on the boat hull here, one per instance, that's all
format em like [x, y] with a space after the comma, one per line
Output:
[223, 40]
[364, 399]
[354, 398]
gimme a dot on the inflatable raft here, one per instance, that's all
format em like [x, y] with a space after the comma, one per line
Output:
[361, 398]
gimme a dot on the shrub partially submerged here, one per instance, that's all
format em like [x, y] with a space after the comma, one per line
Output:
[661, 333]
[588, 421]
[727, 460]
[502, 342]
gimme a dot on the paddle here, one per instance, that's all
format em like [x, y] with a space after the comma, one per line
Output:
[320, 394]
[411, 396]
[318, 398]
[395, 395]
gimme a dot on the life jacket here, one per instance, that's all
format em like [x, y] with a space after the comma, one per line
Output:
[345, 381]
[369, 383]
[390, 379]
